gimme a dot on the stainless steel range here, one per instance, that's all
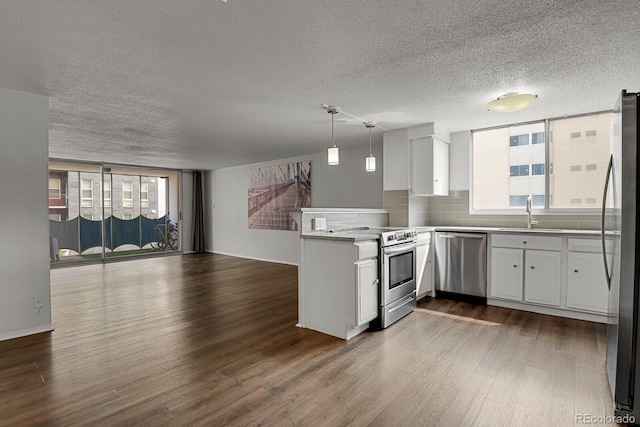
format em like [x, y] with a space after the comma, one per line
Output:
[397, 262]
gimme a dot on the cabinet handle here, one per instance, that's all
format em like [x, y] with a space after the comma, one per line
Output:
[524, 242]
[532, 267]
[575, 271]
[515, 265]
[375, 282]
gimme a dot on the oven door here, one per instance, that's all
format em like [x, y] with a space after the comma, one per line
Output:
[398, 272]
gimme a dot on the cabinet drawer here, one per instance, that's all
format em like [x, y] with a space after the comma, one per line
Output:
[526, 241]
[368, 249]
[588, 245]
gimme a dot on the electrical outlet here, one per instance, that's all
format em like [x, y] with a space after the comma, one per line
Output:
[37, 301]
[318, 223]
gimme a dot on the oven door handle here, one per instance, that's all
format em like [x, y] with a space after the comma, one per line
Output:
[399, 248]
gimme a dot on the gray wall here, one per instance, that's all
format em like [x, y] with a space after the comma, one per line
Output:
[24, 255]
[346, 185]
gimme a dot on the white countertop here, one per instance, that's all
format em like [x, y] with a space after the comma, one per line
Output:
[361, 235]
[331, 210]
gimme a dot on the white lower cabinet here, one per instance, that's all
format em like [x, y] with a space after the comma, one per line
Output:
[339, 286]
[367, 293]
[520, 274]
[586, 284]
[542, 277]
[549, 274]
[424, 271]
[506, 273]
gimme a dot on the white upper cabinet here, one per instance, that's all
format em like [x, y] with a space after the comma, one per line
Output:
[429, 166]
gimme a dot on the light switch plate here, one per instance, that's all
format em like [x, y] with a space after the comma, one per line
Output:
[318, 224]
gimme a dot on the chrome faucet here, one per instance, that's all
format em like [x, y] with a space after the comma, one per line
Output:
[530, 223]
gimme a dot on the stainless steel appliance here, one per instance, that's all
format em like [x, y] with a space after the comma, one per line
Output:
[620, 226]
[397, 276]
[461, 264]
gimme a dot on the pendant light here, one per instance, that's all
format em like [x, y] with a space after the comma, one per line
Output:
[370, 162]
[333, 156]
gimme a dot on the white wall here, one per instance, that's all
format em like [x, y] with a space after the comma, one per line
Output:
[396, 158]
[24, 254]
[346, 185]
[459, 161]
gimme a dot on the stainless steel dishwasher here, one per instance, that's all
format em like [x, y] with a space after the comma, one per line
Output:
[461, 264]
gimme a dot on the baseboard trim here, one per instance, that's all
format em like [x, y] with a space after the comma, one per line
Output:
[560, 312]
[277, 261]
[26, 332]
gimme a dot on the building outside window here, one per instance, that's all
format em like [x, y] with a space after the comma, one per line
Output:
[144, 195]
[107, 194]
[55, 217]
[54, 188]
[512, 163]
[127, 194]
[86, 193]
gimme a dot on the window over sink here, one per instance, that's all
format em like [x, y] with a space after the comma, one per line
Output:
[555, 161]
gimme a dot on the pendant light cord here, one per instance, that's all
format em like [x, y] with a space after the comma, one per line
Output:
[333, 144]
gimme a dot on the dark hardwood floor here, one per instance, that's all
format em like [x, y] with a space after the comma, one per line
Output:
[211, 340]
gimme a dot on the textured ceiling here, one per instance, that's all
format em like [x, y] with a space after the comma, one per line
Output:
[205, 84]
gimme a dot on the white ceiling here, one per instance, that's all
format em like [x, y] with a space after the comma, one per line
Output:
[203, 84]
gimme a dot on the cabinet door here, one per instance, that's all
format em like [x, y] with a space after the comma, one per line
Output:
[506, 273]
[542, 277]
[423, 270]
[429, 167]
[586, 284]
[367, 297]
[440, 168]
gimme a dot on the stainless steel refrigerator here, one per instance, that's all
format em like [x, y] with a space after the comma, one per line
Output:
[621, 255]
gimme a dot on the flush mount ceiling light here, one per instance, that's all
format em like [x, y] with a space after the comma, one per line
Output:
[370, 162]
[511, 101]
[333, 155]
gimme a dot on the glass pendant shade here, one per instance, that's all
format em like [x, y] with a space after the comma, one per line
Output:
[333, 156]
[370, 164]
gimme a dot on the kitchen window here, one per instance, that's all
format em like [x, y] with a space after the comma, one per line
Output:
[556, 162]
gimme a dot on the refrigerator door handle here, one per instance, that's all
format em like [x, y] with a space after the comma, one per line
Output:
[602, 222]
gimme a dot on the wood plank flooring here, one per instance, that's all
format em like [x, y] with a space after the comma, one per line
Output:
[211, 340]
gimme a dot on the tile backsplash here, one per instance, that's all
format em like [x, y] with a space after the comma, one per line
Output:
[453, 210]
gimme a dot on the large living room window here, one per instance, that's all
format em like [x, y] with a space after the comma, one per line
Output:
[559, 163]
[101, 211]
